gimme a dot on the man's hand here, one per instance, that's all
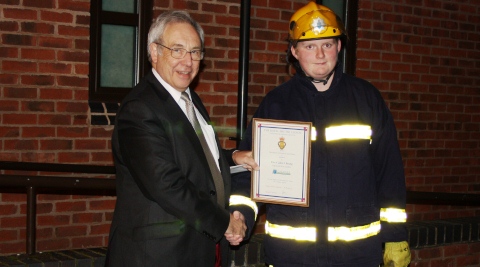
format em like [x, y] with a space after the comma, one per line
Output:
[236, 228]
[245, 158]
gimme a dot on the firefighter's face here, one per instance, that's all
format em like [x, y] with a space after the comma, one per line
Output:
[317, 57]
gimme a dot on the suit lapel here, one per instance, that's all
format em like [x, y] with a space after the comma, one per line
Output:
[173, 113]
[177, 115]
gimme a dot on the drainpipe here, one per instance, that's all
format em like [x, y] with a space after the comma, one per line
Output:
[243, 70]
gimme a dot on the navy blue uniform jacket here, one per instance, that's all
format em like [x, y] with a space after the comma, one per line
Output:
[350, 179]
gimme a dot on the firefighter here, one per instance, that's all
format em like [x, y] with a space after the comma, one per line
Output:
[356, 211]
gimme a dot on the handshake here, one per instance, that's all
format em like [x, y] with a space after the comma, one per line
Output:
[236, 228]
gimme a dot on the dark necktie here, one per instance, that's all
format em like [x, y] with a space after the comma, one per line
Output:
[217, 176]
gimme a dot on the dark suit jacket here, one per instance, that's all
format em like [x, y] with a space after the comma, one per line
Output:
[166, 212]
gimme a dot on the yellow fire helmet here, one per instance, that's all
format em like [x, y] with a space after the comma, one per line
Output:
[314, 21]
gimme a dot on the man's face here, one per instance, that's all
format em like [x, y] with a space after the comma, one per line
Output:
[179, 73]
[317, 57]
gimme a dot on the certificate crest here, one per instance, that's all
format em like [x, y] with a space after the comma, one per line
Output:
[281, 143]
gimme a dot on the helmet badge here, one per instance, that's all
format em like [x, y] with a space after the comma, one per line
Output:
[318, 26]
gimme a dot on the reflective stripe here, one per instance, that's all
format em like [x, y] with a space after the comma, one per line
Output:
[348, 132]
[241, 200]
[288, 232]
[393, 215]
[334, 233]
[353, 233]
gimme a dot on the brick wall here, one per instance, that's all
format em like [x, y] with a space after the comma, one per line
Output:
[422, 55]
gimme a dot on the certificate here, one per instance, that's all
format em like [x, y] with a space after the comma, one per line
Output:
[282, 150]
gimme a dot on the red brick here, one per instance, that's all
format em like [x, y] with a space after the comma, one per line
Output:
[100, 229]
[40, 80]
[39, 4]
[73, 56]
[74, 157]
[19, 66]
[44, 208]
[73, 31]
[55, 42]
[81, 69]
[102, 132]
[53, 244]
[11, 13]
[23, 144]
[227, 20]
[9, 105]
[19, 119]
[55, 68]
[29, 132]
[467, 260]
[215, 8]
[69, 231]
[74, 5]
[56, 144]
[56, 93]
[80, 120]
[44, 233]
[76, 107]
[104, 204]
[90, 144]
[105, 157]
[10, 26]
[12, 247]
[8, 209]
[55, 119]
[87, 218]
[8, 235]
[73, 132]
[8, 52]
[49, 15]
[39, 106]
[39, 54]
[35, 27]
[13, 222]
[53, 220]
[18, 39]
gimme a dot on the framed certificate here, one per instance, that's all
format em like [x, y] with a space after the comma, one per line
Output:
[282, 150]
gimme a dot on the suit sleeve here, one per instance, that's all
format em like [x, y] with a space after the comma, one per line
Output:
[163, 173]
[228, 155]
[241, 187]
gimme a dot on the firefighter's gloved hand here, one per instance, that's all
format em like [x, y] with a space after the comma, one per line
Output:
[397, 254]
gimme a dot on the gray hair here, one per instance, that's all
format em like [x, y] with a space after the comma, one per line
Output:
[155, 34]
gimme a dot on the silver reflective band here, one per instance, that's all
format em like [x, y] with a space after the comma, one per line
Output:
[348, 132]
[353, 233]
[241, 200]
[393, 215]
[288, 232]
[334, 233]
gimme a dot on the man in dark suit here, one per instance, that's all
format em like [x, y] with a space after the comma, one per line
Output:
[170, 209]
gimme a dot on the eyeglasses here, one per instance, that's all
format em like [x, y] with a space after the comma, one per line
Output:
[180, 53]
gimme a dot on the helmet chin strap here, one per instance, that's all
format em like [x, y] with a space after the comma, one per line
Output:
[321, 81]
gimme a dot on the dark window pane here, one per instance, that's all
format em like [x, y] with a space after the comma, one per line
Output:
[124, 6]
[117, 56]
